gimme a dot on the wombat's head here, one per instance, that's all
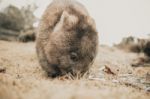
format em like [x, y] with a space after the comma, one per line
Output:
[72, 46]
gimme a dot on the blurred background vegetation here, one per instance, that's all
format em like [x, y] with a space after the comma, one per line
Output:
[17, 24]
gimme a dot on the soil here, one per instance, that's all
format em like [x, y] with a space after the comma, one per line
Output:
[110, 77]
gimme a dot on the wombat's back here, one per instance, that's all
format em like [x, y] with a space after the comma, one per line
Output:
[54, 11]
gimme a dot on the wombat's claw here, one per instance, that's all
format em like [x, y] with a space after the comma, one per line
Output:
[53, 75]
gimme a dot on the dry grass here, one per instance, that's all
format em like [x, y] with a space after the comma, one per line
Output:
[24, 78]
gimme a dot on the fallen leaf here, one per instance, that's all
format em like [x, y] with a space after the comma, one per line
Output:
[108, 70]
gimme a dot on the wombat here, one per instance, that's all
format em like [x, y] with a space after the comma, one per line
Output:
[67, 39]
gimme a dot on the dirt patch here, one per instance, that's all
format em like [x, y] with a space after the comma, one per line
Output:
[24, 79]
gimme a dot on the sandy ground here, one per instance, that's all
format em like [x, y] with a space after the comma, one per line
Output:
[21, 77]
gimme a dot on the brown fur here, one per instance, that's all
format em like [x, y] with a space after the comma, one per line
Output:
[67, 39]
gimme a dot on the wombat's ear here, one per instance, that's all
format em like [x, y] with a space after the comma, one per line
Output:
[68, 19]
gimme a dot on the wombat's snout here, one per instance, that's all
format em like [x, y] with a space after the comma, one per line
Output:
[55, 71]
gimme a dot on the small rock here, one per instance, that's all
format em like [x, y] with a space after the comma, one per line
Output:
[2, 70]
